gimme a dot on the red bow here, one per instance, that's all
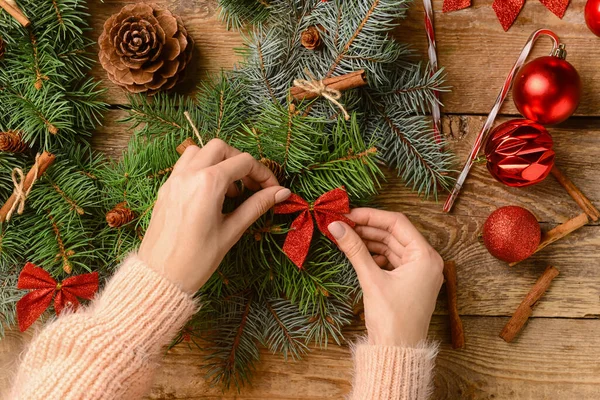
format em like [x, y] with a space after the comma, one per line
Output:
[508, 10]
[328, 208]
[43, 287]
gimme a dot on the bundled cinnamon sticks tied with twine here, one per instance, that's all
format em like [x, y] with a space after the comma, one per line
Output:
[23, 185]
[10, 6]
[329, 88]
[590, 213]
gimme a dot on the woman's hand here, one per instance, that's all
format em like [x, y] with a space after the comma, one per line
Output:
[400, 298]
[188, 234]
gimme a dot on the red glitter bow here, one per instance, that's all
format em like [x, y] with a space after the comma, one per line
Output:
[508, 10]
[328, 208]
[43, 287]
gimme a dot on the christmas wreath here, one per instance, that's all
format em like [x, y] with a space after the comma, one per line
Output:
[325, 96]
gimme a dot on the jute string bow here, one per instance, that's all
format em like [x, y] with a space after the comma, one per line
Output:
[319, 88]
[20, 192]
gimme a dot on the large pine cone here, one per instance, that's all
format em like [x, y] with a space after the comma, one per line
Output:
[145, 48]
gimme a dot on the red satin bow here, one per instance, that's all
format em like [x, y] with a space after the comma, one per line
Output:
[43, 287]
[328, 208]
[508, 10]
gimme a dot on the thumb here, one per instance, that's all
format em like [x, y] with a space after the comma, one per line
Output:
[352, 245]
[255, 206]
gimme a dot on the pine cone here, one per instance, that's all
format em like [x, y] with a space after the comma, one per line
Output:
[11, 142]
[119, 216]
[311, 38]
[2, 47]
[145, 48]
[275, 167]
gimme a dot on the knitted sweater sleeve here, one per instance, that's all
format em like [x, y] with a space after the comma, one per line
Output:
[393, 373]
[109, 349]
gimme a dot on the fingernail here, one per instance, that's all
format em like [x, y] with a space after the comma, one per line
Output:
[282, 195]
[336, 229]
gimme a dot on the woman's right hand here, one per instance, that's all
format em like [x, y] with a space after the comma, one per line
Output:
[399, 272]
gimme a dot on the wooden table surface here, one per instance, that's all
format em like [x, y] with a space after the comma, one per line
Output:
[557, 356]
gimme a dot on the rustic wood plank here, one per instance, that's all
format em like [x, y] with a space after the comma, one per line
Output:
[544, 362]
[476, 53]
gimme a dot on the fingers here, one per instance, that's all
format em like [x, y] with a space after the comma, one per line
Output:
[244, 166]
[250, 210]
[380, 235]
[213, 153]
[382, 249]
[395, 223]
[352, 245]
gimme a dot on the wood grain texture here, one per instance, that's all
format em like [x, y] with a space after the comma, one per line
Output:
[556, 355]
[551, 359]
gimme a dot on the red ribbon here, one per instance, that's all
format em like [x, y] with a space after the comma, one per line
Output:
[508, 10]
[43, 287]
[328, 208]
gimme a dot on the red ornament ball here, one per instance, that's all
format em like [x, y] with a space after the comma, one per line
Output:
[519, 153]
[592, 16]
[547, 90]
[511, 234]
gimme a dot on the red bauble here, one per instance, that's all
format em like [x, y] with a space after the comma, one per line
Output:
[547, 90]
[519, 153]
[511, 234]
[592, 16]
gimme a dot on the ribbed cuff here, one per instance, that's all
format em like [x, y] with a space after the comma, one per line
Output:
[388, 372]
[143, 307]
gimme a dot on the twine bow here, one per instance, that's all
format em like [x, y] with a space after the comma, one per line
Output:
[20, 193]
[328, 208]
[319, 88]
[43, 287]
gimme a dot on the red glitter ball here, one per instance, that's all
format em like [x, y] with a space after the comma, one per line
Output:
[511, 234]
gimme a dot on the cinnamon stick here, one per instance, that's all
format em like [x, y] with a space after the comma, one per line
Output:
[581, 200]
[560, 232]
[14, 11]
[525, 309]
[44, 162]
[341, 83]
[456, 327]
[184, 145]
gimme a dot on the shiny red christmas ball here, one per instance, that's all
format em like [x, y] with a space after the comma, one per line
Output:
[511, 234]
[547, 90]
[592, 16]
[519, 153]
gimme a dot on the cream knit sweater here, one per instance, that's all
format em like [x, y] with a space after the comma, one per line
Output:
[109, 349]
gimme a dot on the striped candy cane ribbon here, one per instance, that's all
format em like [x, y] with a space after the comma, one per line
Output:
[433, 62]
[483, 134]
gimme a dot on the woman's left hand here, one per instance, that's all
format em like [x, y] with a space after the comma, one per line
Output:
[188, 234]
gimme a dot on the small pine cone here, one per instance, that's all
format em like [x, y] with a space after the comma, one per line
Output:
[275, 167]
[311, 38]
[119, 216]
[11, 142]
[145, 48]
[2, 47]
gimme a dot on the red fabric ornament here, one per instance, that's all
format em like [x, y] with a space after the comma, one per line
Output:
[328, 208]
[547, 90]
[592, 16]
[508, 10]
[43, 287]
[511, 234]
[519, 153]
